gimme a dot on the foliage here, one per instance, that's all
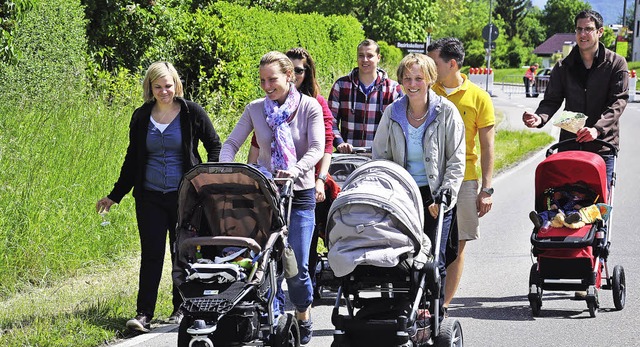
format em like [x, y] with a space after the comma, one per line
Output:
[10, 14]
[391, 21]
[391, 57]
[50, 39]
[512, 12]
[119, 31]
[531, 30]
[220, 47]
[608, 37]
[558, 15]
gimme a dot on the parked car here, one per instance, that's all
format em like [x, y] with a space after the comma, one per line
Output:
[542, 79]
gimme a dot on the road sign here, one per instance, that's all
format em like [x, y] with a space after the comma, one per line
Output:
[490, 31]
[493, 45]
[412, 47]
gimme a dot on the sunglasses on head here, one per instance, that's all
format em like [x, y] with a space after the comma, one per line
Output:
[299, 70]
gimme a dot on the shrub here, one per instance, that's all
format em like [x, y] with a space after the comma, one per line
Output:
[52, 45]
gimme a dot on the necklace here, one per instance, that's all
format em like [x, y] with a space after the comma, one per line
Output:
[160, 119]
[410, 112]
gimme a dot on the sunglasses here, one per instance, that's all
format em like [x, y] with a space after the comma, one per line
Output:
[299, 70]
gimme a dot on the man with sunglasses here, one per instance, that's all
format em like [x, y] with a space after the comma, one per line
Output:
[592, 80]
[358, 99]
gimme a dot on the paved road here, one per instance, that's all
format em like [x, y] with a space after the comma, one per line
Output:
[492, 301]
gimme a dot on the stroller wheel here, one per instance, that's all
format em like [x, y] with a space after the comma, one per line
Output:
[450, 334]
[535, 291]
[592, 301]
[619, 287]
[593, 309]
[287, 333]
[184, 338]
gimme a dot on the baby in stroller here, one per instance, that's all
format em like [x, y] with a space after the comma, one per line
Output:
[571, 206]
[230, 251]
[388, 275]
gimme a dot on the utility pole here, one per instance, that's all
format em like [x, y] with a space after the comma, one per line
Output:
[489, 48]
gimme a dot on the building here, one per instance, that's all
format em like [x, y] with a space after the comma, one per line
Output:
[558, 43]
[635, 55]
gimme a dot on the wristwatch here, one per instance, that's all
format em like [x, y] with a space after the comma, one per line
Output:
[489, 191]
[323, 178]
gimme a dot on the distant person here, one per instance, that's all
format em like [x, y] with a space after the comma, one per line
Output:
[290, 134]
[592, 80]
[476, 108]
[358, 99]
[424, 133]
[530, 81]
[164, 134]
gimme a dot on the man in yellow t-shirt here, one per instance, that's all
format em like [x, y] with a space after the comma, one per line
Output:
[476, 109]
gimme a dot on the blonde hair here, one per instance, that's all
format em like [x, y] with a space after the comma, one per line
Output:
[285, 64]
[157, 70]
[426, 64]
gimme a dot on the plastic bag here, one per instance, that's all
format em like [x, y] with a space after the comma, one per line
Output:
[289, 261]
[570, 121]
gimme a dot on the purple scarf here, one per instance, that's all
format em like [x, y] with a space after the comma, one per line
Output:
[283, 151]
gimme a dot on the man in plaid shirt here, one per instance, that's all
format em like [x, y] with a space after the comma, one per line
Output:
[358, 99]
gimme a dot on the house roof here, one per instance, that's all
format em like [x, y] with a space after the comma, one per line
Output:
[555, 43]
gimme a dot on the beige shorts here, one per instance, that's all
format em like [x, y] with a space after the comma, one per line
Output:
[467, 213]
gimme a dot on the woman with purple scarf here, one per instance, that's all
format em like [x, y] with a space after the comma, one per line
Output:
[289, 129]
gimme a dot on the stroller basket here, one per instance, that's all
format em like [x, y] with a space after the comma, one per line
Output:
[216, 305]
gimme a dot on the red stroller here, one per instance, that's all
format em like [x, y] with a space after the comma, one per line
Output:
[574, 259]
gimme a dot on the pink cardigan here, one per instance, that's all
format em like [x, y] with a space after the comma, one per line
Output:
[307, 131]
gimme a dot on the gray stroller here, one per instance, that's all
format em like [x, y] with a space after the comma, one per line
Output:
[389, 280]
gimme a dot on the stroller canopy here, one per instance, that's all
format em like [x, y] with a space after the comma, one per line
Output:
[376, 219]
[569, 167]
[225, 199]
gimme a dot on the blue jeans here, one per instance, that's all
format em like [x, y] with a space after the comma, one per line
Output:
[300, 286]
[608, 161]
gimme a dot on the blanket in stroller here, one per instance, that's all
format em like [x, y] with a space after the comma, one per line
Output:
[377, 220]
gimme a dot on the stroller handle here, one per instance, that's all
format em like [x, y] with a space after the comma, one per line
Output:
[569, 142]
[361, 149]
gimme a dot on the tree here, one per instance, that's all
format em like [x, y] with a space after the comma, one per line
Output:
[531, 30]
[558, 15]
[513, 12]
[391, 20]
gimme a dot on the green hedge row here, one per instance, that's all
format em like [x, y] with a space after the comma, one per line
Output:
[220, 47]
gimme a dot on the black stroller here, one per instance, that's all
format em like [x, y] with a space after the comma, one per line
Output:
[389, 278]
[230, 243]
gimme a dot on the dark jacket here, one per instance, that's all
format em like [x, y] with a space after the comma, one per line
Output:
[195, 126]
[601, 93]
